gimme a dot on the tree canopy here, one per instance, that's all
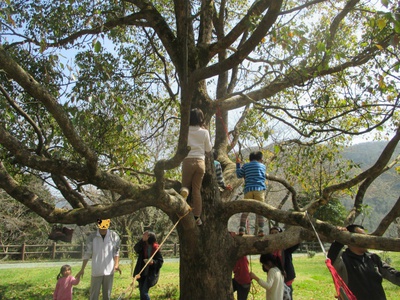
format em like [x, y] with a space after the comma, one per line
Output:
[97, 94]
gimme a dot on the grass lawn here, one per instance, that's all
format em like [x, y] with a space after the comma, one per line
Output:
[313, 281]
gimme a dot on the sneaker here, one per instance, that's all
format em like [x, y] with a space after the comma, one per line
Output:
[198, 221]
[241, 231]
[184, 192]
[260, 233]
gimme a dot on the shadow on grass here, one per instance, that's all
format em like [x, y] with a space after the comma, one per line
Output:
[24, 291]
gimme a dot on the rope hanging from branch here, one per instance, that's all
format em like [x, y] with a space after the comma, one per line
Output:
[131, 286]
[342, 290]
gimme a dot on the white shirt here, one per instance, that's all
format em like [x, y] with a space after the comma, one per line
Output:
[102, 252]
[199, 142]
[273, 285]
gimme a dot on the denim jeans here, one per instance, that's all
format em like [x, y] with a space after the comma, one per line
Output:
[144, 288]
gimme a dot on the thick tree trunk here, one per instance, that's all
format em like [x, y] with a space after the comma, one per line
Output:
[208, 252]
[206, 262]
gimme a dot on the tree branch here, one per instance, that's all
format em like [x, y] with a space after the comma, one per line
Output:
[20, 111]
[290, 189]
[73, 197]
[388, 219]
[337, 20]
[32, 87]
[265, 24]
[325, 230]
[243, 25]
[299, 78]
[371, 172]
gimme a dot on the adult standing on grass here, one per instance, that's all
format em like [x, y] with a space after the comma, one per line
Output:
[103, 247]
[147, 276]
[193, 166]
[361, 270]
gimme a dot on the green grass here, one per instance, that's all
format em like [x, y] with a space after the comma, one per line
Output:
[313, 281]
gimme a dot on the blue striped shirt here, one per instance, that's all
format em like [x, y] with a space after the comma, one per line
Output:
[254, 174]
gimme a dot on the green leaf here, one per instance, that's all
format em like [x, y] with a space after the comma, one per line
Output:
[277, 149]
[397, 169]
[381, 23]
[385, 3]
[97, 47]
[321, 46]
[397, 27]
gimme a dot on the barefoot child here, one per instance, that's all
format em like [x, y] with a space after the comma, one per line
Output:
[65, 281]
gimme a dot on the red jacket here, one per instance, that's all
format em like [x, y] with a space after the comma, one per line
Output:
[241, 271]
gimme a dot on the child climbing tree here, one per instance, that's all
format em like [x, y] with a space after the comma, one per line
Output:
[96, 95]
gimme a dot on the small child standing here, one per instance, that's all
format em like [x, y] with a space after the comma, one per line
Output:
[274, 284]
[65, 281]
[254, 174]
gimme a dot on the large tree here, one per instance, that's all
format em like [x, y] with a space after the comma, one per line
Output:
[98, 94]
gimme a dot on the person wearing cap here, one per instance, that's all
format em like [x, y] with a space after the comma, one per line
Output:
[362, 271]
[103, 247]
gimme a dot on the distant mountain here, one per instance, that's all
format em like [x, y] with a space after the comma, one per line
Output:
[367, 153]
[384, 192]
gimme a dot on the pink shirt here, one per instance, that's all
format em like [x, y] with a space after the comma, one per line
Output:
[63, 289]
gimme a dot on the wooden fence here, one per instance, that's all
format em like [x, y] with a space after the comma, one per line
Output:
[63, 250]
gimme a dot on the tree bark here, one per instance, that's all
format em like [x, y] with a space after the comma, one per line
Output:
[207, 257]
